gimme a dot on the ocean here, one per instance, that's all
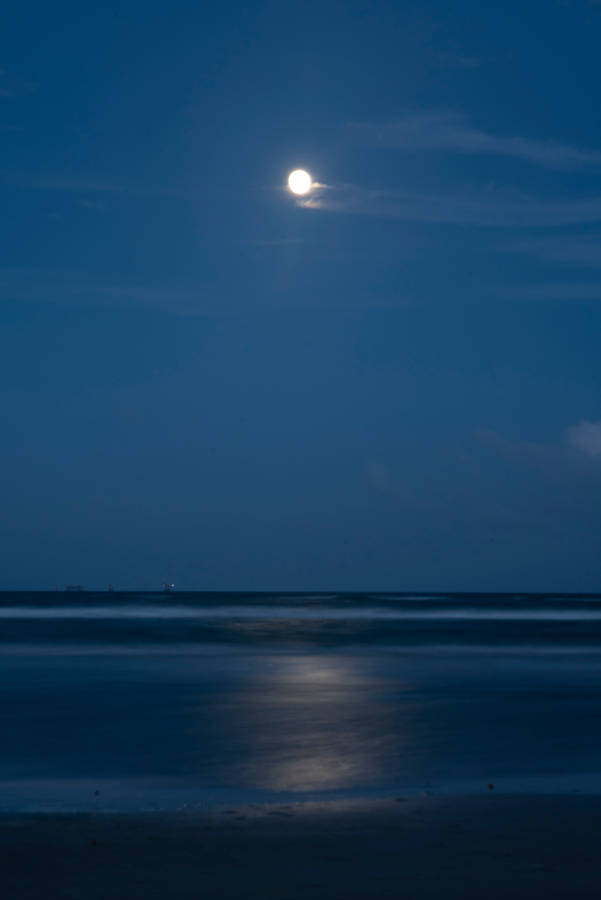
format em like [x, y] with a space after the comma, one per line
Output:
[143, 701]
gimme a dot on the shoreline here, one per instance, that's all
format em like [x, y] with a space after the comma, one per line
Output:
[172, 796]
[493, 846]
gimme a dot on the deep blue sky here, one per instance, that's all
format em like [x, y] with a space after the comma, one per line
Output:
[395, 387]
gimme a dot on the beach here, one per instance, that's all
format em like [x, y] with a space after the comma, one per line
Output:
[487, 846]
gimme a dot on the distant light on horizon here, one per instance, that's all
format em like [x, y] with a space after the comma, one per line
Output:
[300, 182]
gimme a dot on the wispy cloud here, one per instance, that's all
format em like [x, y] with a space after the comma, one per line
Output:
[578, 444]
[518, 449]
[489, 208]
[586, 438]
[452, 131]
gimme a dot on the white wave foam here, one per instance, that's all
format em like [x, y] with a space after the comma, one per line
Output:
[259, 612]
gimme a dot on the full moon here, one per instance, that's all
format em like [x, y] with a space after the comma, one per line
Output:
[299, 182]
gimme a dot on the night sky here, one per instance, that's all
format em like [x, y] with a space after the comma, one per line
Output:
[394, 384]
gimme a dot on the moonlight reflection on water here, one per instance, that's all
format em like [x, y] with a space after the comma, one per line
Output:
[316, 723]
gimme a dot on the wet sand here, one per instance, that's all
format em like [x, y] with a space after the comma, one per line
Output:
[490, 846]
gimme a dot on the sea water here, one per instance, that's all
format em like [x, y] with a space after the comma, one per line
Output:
[143, 701]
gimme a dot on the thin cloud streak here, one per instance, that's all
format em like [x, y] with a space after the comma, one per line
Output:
[486, 209]
[567, 250]
[70, 289]
[59, 182]
[453, 132]
[460, 61]
[549, 291]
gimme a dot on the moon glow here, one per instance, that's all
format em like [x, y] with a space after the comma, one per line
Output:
[299, 182]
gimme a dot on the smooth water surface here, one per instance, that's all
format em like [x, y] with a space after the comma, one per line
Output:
[144, 701]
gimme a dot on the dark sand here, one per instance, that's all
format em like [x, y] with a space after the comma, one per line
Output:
[472, 847]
